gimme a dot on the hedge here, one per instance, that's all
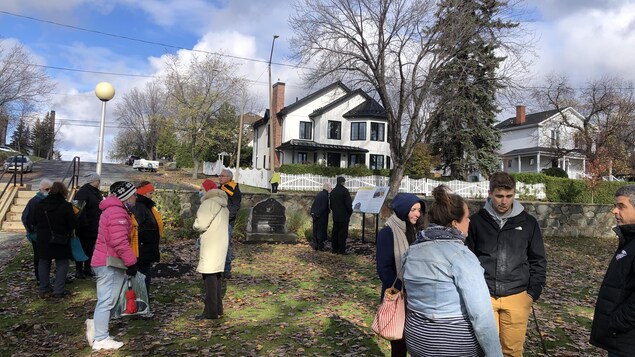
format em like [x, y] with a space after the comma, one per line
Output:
[573, 191]
[358, 170]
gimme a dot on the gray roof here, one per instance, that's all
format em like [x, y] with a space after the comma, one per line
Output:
[312, 96]
[370, 108]
[542, 150]
[313, 146]
[530, 119]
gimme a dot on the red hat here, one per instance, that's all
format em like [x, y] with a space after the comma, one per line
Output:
[209, 185]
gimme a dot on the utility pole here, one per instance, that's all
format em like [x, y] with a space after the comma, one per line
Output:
[240, 136]
[272, 117]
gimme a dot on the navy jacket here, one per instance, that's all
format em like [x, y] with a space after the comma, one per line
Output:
[385, 259]
[613, 327]
[320, 206]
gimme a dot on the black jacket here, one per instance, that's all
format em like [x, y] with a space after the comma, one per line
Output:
[88, 220]
[613, 327]
[234, 197]
[60, 214]
[320, 206]
[341, 204]
[513, 257]
[148, 230]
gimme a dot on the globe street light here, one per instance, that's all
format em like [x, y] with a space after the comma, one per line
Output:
[105, 92]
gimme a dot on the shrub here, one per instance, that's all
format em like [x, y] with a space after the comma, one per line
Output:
[240, 225]
[555, 172]
[298, 222]
[568, 190]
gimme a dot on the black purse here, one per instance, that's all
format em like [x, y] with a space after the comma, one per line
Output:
[57, 238]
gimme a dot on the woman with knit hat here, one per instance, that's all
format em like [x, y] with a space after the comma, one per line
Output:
[150, 230]
[392, 241]
[88, 220]
[113, 259]
[212, 220]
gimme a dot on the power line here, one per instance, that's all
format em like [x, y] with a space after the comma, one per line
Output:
[146, 41]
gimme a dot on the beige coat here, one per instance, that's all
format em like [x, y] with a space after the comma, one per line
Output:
[212, 219]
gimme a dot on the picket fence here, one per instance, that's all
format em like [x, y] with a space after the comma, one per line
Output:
[310, 182]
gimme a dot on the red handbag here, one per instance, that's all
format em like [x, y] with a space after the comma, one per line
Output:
[390, 319]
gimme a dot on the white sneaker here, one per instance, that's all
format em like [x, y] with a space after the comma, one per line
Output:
[107, 344]
[90, 331]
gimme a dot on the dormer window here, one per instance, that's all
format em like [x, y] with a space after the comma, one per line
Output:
[334, 130]
[306, 132]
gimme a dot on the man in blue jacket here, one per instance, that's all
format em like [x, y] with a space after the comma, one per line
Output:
[508, 243]
[31, 232]
[613, 327]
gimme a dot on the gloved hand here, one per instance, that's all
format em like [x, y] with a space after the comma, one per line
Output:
[132, 270]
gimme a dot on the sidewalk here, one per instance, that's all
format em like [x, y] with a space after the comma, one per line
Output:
[10, 244]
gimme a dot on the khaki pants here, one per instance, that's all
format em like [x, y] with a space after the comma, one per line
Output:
[511, 314]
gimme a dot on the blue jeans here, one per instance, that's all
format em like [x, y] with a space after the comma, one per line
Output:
[109, 283]
[228, 259]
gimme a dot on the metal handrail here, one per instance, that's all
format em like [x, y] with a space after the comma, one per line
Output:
[14, 176]
[74, 178]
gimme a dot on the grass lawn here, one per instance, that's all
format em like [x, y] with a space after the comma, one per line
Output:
[284, 300]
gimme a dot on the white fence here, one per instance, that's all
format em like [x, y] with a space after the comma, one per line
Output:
[310, 182]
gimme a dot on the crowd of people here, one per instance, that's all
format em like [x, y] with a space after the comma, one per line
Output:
[470, 280]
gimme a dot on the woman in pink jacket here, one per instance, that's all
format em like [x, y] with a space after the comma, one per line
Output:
[113, 241]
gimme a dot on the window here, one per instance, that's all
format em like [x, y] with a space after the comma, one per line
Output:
[555, 138]
[376, 162]
[532, 162]
[302, 157]
[377, 131]
[264, 162]
[305, 130]
[358, 131]
[268, 126]
[356, 159]
[387, 162]
[334, 130]
[509, 163]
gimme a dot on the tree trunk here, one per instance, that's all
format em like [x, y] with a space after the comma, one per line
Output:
[195, 172]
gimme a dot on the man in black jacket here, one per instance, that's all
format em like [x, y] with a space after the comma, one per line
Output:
[320, 214]
[234, 196]
[508, 243]
[613, 327]
[342, 208]
[88, 221]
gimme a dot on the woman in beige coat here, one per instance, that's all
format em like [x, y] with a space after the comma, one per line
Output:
[212, 219]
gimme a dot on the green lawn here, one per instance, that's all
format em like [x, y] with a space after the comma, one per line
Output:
[284, 300]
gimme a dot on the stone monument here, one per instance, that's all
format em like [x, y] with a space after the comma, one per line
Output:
[267, 223]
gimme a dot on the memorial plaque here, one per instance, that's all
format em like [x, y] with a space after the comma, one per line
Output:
[268, 216]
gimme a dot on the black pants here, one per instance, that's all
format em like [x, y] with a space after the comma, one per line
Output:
[320, 231]
[88, 245]
[398, 348]
[213, 295]
[36, 261]
[338, 237]
[146, 269]
[274, 187]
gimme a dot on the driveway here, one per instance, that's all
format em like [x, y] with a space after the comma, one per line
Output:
[110, 173]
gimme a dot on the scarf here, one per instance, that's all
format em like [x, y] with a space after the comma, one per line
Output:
[400, 241]
[437, 232]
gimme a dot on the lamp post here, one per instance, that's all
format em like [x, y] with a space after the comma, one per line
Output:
[105, 92]
[272, 137]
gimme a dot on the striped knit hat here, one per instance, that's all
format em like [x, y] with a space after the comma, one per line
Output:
[122, 190]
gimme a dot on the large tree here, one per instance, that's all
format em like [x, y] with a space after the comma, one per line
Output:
[21, 137]
[23, 85]
[461, 129]
[142, 112]
[606, 131]
[43, 137]
[197, 91]
[392, 48]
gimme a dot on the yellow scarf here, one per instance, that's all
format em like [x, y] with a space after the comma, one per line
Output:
[157, 217]
[134, 236]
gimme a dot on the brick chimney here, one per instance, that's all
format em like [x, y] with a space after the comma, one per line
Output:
[520, 115]
[278, 104]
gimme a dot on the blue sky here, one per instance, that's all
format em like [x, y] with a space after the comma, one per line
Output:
[583, 39]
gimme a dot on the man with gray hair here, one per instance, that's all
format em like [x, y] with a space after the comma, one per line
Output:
[31, 232]
[320, 213]
[227, 184]
[613, 327]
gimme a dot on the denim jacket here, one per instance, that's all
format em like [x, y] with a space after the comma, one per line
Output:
[445, 279]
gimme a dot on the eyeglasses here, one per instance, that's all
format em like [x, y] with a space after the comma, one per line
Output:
[47, 189]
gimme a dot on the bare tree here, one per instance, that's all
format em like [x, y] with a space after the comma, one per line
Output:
[392, 48]
[22, 84]
[607, 128]
[197, 90]
[143, 112]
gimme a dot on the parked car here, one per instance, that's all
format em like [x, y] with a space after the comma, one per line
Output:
[5, 148]
[15, 163]
[145, 165]
[130, 159]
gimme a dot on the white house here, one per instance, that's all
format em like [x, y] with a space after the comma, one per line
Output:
[531, 143]
[334, 126]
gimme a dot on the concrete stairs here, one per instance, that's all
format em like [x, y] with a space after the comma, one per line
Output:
[13, 219]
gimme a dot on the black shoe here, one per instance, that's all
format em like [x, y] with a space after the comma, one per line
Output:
[80, 275]
[70, 279]
[203, 317]
[227, 275]
[88, 273]
[44, 294]
[63, 294]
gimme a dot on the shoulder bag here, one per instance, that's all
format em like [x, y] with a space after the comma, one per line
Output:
[57, 238]
[390, 318]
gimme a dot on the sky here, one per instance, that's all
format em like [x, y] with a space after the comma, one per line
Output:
[582, 39]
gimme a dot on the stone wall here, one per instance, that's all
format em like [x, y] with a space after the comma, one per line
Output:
[555, 219]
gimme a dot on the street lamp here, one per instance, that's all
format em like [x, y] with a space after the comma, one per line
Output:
[105, 92]
[272, 137]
